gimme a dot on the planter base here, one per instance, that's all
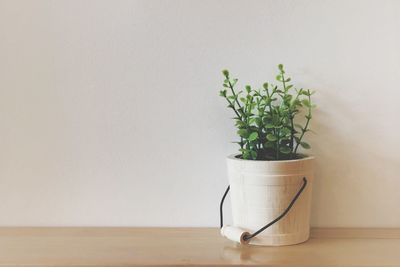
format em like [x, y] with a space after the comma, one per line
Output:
[279, 240]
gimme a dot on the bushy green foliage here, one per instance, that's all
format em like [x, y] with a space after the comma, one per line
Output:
[266, 117]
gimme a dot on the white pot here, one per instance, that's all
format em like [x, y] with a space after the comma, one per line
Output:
[261, 190]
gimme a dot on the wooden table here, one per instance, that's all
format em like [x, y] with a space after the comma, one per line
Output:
[123, 247]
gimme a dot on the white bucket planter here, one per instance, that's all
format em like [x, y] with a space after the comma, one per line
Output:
[260, 191]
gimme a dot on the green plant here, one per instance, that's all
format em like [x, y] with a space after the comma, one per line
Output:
[266, 118]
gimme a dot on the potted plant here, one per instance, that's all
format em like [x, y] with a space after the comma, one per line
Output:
[270, 180]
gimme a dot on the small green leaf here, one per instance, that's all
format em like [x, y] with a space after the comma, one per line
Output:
[286, 137]
[253, 136]
[269, 145]
[243, 133]
[225, 73]
[305, 145]
[252, 120]
[285, 150]
[271, 137]
[253, 154]
[269, 126]
[285, 131]
[258, 121]
[248, 88]
[306, 103]
[240, 123]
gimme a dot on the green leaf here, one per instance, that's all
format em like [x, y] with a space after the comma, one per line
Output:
[305, 145]
[269, 126]
[271, 137]
[240, 123]
[258, 121]
[253, 136]
[279, 77]
[253, 154]
[306, 103]
[296, 103]
[269, 145]
[285, 131]
[243, 133]
[225, 73]
[286, 137]
[248, 88]
[285, 150]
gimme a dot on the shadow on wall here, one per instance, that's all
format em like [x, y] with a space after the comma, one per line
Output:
[353, 168]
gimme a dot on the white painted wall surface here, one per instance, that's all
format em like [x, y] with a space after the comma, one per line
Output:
[110, 115]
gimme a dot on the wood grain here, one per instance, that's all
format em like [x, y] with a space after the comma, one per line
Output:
[123, 247]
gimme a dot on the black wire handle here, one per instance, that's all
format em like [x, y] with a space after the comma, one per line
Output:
[249, 236]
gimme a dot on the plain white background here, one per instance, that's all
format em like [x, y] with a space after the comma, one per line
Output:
[110, 115]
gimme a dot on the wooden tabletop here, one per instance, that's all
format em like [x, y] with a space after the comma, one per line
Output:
[123, 247]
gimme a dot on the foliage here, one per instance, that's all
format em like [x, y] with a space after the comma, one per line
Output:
[266, 118]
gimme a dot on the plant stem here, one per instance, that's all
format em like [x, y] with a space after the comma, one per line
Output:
[234, 94]
[291, 136]
[271, 113]
[277, 148]
[283, 81]
[292, 125]
[233, 108]
[304, 130]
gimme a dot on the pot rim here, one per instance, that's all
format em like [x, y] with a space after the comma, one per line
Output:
[306, 157]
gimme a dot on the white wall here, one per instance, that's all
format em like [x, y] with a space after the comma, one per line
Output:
[110, 115]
